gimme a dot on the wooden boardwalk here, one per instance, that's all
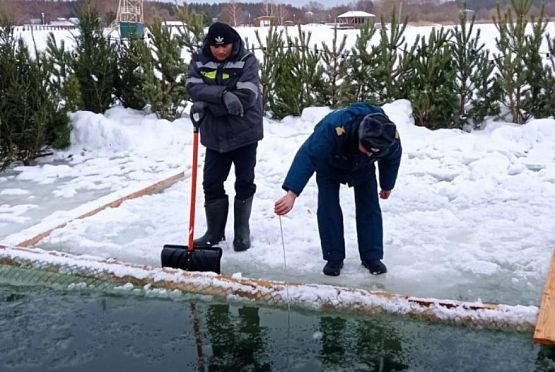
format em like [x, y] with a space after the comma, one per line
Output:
[545, 326]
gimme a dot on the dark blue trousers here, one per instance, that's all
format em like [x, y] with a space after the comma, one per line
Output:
[368, 220]
[216, 170]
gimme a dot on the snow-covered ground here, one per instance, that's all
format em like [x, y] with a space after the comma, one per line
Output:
[471, 216]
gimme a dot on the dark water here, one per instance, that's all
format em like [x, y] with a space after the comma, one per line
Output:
[44, 329]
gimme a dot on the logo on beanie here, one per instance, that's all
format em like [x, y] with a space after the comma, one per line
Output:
[219, 40]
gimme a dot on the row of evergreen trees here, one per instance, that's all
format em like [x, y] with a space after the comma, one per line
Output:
[30, 116]
[451, 79]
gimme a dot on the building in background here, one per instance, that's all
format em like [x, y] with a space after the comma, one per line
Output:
[354, 19]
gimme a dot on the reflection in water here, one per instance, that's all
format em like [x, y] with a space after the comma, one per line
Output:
[546, 359]
[370, 344]
[237, 343]
[42, 329]
[380, 346]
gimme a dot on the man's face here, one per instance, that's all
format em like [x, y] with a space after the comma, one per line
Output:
[221, 52]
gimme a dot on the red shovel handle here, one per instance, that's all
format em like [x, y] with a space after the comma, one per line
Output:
[190, 247]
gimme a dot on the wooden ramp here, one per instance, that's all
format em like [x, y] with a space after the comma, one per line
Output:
[545, 326]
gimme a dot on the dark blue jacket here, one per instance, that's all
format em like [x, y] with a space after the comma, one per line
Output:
[332, 151]
[208, 79]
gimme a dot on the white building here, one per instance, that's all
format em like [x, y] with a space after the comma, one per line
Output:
[355, 18]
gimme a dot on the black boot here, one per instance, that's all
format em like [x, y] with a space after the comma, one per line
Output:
[242, 212]
[216, 218]
[333, 268]
[376, 267]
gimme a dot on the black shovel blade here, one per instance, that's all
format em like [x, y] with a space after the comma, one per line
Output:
[200, 259]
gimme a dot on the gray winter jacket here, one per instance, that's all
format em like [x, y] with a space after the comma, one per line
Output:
[208, 80]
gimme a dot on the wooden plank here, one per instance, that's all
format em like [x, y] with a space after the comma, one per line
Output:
[156, 187]
[275, 293]
[545, 327]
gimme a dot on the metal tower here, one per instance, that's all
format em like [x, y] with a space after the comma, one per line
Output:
[130, 17]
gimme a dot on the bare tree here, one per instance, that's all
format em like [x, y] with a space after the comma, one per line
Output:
[365, 6]
[232, 13]
[15, 12]
[314, 6]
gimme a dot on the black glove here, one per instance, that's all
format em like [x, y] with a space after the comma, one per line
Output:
[233, 104]
[197, 112]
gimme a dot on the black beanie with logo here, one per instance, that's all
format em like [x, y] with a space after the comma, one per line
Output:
[377, 133]
[220, 34]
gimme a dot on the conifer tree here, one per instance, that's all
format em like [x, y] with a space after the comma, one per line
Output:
[273, 55]
[8, 67]
[548, 101]
[380, 71]
[391, 62]
[135, 62]
[309, 69]
[298, 77]
[29, 116]
[335, 63]
[165, 86]
[476, 86]
[432, 89]
[511, 61]
[63, 81]
[96, 65]
[537, 100]
[192, 34]
[290, 94]
[362, 63]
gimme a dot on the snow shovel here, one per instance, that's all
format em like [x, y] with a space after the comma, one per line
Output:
[190, 257]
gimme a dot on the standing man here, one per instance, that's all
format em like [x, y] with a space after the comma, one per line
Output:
[224, 85]
[344, 148]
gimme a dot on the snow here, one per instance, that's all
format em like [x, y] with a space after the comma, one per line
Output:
[152, 282]
[470, 218]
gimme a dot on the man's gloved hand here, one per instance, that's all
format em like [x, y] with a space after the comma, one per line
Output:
[233, 104]
[197, 112]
